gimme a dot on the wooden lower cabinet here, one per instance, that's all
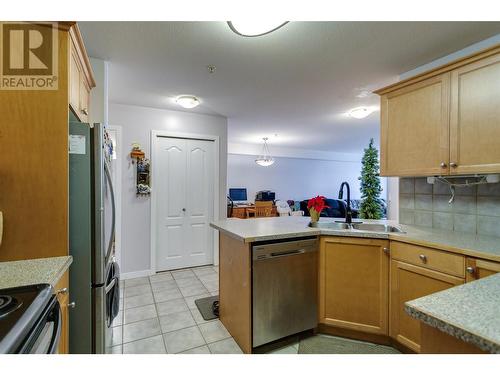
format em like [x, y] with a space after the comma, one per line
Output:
[62, 291]
[478, 268]
[409, 282]
[354, 284]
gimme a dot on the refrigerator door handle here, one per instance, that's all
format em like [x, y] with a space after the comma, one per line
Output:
[113, 213]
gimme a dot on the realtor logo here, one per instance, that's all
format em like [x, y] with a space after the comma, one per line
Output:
[28, 56]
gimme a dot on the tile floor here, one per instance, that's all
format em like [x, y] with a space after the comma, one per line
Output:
[158, 315]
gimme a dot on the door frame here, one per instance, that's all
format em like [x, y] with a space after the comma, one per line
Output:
[194, 136]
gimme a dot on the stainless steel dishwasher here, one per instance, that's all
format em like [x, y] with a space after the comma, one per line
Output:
[284, 289]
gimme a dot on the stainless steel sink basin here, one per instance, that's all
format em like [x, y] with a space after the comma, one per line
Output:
[330, 225]
[377, 228]
[365, 227]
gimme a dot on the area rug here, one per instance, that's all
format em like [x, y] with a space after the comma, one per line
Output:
[204, 306]
[321, 344]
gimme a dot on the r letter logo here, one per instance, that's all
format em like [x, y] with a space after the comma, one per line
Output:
[28, 56]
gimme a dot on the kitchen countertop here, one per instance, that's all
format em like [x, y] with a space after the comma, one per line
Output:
[33, 271]
[274, 228]
[470, 312]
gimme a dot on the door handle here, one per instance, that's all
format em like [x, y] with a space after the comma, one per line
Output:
[183, 210]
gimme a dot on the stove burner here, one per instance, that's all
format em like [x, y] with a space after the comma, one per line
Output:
[8, 304]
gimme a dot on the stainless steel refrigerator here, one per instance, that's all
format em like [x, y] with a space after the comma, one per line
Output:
[94, 280]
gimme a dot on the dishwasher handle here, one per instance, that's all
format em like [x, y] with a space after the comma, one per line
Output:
[283, 249]
[287, 253]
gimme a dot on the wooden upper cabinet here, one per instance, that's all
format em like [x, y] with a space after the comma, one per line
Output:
[354, 283]
[475, 117]
[414, 129]
[478, 268]
[81, 79]
[445, 121]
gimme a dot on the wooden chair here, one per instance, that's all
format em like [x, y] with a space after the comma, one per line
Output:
[263, 209]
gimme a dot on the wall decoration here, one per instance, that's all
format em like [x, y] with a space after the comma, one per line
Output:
[142, 170]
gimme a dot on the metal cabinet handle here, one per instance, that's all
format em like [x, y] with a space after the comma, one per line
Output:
[62, 291]
[443, 165]
[423, 258]
[453, 165]
[386, 250]
[71, 305]
[470, 270]
[85, 111]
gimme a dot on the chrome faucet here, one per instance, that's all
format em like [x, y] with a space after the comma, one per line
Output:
[348, 211]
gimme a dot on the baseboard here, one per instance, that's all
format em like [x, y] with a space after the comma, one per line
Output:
[133, 275]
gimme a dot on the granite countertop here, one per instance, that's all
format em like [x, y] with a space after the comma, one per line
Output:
[470, 312]
[33, 271]
[273, 228]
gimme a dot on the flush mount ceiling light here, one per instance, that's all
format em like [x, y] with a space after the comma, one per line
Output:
[265, 160]
[187, 101]
[255, 28]
[361, 112]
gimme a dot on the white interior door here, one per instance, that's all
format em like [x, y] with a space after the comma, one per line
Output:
[185, 202]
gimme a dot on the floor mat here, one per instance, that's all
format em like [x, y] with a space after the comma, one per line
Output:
[204, 305]
[321, 344]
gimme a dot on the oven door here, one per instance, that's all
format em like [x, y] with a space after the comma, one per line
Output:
[44, 337]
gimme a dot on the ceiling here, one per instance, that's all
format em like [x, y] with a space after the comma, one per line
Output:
[296, 82]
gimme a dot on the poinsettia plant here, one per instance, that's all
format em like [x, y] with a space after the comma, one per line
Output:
[315, 206]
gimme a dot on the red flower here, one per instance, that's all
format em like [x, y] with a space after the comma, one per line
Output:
[317, 203]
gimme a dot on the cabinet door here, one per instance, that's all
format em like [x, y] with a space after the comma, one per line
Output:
[74, 84]
[62, 292]
[409, 282]
[84, 101]
[475, 117]
[415, 129]
[478, 268]
[354, 284]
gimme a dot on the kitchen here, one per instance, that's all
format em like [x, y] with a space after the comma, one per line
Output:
[123, 266]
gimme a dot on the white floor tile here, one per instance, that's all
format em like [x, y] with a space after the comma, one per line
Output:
[159, 277]
[199, 350]
[227, 346]
[140, 300]
[213, 331]
[195, 290]
[198, 318]
[140, 330]
[118, 320]
[114, 350]
[137, 281]
[169, 307]
[117, 336]
[131, 291]
[182, 274]
[188, 281]
[166, 295]
[150, 345]
[137, 314]
[184, 339]
[176, 321]
[164, 285]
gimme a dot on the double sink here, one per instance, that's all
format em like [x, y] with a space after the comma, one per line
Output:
[365, 227]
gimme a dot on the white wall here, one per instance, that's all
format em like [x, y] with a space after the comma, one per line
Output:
[99, 94]
[137, 123]
[294, 178]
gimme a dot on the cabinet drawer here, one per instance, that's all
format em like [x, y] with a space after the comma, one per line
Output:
[441, 261]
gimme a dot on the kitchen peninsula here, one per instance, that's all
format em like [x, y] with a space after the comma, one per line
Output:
[384, 269]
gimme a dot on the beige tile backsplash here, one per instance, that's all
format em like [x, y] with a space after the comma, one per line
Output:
[476, 209]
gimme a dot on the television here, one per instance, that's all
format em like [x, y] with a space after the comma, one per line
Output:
[238, 194]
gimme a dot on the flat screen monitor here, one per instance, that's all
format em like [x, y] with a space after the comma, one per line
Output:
[238, 194]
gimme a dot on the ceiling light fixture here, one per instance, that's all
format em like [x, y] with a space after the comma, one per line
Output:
[255, 28]
[361, 112]
[265, 160]
[187, 101]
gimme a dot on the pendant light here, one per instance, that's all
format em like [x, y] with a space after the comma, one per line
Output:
[265, 160]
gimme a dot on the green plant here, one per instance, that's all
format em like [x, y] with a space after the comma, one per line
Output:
[371, 205]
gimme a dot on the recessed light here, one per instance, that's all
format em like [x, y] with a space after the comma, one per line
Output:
[361, 112]
[255, 27]
[187, 101]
